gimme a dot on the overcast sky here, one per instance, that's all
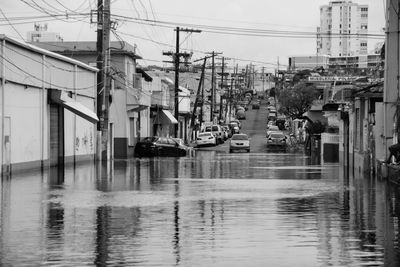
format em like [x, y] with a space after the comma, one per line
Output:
[151, 40]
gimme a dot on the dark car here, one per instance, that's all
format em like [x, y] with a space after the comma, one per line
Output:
[256, 105]
[159, 147]
[277, 140]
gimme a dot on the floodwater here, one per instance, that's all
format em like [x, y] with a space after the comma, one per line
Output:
[210, 209]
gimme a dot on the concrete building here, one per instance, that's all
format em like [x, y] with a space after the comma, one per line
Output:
[130, 102]
[367, 61]
[48, 104]
[40, 34]
[343, 28]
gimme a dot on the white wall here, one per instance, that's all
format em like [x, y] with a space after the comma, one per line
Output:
[23, 107]
[30, 72]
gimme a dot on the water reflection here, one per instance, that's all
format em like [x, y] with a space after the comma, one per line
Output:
[211, 209]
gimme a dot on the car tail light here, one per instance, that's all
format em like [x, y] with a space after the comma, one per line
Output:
[198, 138]
[211, 137]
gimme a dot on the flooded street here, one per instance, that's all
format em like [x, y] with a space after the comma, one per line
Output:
[212, 209]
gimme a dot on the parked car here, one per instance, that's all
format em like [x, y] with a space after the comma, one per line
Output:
[182, 143]
[241, 115]
[217, 132]
[271, 129]
[277, 139]
[159, 147]
[206, 139]
[239, 142]
[234, 127]
[256, 105]
[272, 116]
[238, 123]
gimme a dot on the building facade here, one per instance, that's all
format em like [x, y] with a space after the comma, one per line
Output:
[48, 105]
[40, 34]
[130, 103]
[343, 28]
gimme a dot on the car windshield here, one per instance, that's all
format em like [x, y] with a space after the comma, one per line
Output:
[273, 128]
[215, 128]
[277, 135]
[239, 137]
[208, 129]
[204, 134]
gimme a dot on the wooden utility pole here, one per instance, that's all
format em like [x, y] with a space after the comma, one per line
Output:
[196, 101]
[212, 89]
[263, 79]
[103, 78]
[176, 62]
[176, 89]
[221, 89]
[213, 54]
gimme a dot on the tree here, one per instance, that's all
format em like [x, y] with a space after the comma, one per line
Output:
[294, 102]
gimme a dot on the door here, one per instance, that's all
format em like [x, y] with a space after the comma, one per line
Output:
[56, 135]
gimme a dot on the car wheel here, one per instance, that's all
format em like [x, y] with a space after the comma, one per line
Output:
[230, 150]
[248, 150]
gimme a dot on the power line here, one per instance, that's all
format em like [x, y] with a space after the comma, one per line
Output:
[11, 24]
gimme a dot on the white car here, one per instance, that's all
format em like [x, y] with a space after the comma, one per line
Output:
[206, 139]
[272, 128]
[239, 142]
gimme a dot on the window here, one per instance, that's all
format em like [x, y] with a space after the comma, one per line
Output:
[349, 25]
[364, 27]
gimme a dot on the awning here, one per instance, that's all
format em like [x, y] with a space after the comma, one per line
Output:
[167, 117]
[145, 75]
[67, 102]
[136, 108]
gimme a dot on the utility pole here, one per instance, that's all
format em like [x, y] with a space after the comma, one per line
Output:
[176, 95]
[176, 57]
[212, 89]
[263, 68]
[213, 54]
[103, 79]
[222, 87]
[196, 101]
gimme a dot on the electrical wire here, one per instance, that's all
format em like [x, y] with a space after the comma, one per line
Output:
[30, 75]
[4, 15]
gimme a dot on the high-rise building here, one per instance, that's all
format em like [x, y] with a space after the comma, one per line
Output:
[343, 29]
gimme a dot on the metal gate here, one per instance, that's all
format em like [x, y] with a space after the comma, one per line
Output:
[56, 135]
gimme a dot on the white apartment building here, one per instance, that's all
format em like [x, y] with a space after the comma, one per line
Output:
[40, 34]
[343, 29]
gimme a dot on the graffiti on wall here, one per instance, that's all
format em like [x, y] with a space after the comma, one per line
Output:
[85, 142]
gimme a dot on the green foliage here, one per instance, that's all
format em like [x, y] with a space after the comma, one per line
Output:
[294, 102]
